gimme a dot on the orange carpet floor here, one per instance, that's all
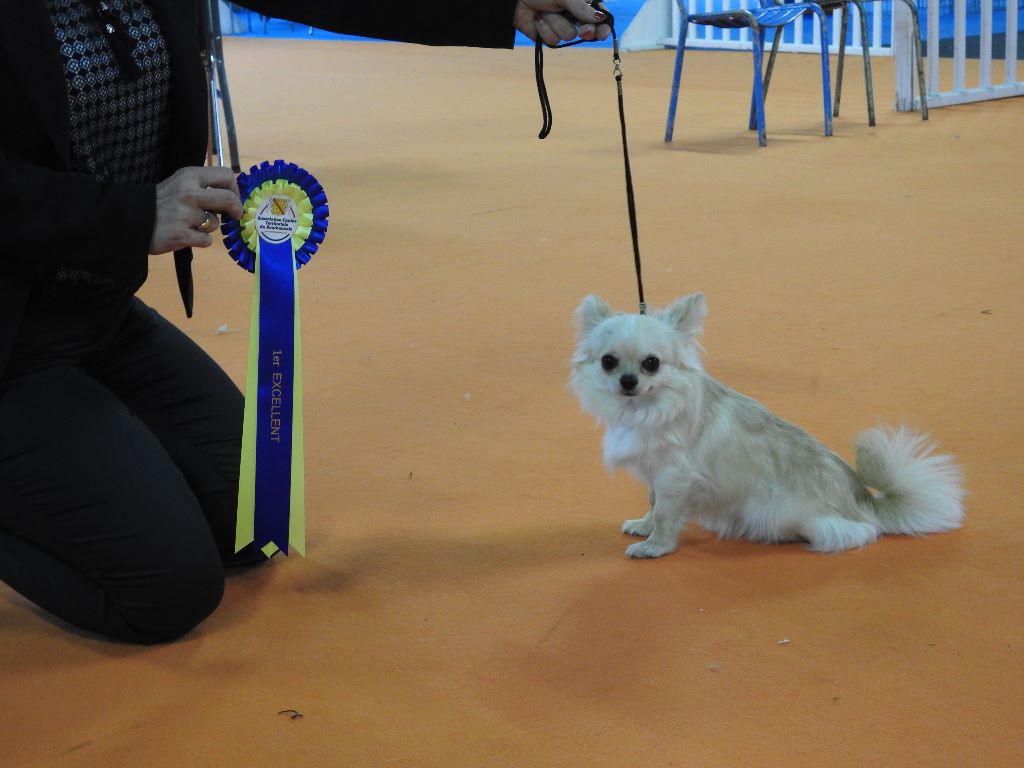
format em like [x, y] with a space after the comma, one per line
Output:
[465, 601]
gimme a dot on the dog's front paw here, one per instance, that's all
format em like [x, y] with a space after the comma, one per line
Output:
[640, 526]
[647, 549]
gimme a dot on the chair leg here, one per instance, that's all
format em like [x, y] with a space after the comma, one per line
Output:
[677, 74]
[842, 58]
[922, 89]
[826, 77]
[752, 120]
[758, 91]
[869, 86]
[776, 39]
[217, 46]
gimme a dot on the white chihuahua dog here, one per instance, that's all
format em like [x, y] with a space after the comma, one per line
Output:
[710, 453]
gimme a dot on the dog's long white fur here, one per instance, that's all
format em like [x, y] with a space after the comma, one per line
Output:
[709, 453]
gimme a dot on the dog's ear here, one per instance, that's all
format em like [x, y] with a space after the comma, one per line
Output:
[591, 311]
[687, 314]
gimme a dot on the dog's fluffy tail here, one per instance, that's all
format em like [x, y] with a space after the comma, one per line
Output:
[919, 491]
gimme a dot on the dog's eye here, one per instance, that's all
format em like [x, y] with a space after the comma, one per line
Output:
[651, 364]
[609, 362]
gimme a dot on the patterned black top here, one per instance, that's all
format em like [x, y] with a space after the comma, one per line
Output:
[119, 122]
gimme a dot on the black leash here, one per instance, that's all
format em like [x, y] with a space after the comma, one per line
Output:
[546, 115]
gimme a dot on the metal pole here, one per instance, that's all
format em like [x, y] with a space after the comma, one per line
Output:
[217, 87]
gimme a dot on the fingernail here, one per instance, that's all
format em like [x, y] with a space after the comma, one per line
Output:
[599, 15]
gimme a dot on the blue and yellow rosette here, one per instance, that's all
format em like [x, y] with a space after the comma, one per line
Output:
[283, 222]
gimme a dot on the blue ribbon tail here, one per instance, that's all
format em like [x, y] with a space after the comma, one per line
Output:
[275, 390]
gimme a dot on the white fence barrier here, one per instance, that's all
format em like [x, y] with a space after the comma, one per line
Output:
[985, 87]
[656, 25]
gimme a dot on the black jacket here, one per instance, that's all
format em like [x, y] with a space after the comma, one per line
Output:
[50, 216]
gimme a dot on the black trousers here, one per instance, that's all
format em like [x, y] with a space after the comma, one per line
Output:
[118, 472]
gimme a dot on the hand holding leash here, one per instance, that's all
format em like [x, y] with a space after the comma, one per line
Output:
[552, 21]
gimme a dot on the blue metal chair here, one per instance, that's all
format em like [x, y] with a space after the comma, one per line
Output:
[828, 6]
[766, 16]
[916, 63]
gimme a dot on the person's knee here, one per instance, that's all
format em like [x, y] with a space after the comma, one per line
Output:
[173, 604]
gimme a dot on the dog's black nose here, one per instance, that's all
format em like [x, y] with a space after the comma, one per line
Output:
[628, 382]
